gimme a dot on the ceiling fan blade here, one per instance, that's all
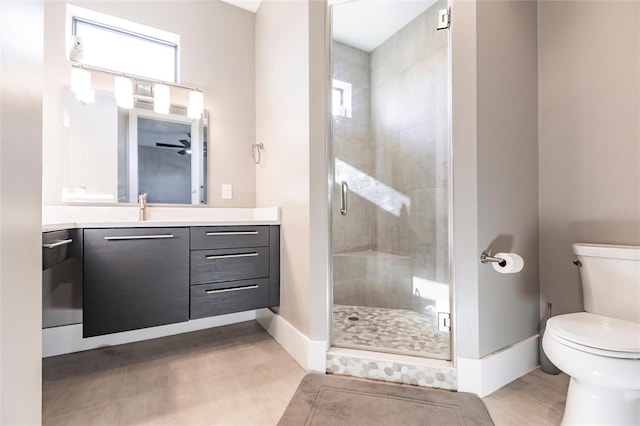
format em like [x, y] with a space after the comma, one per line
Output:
[168, 145]
[183, 152]
[185, 142]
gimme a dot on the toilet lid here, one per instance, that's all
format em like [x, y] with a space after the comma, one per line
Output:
[598, 332]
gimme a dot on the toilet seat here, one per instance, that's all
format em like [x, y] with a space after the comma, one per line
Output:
[597, 334]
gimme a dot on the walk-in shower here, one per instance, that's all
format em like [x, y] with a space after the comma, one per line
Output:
[391, 178]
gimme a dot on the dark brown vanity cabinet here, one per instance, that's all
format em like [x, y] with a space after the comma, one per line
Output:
[61, 277]
[234, 269]
[134, 278]
[58, 246]
[143, 277]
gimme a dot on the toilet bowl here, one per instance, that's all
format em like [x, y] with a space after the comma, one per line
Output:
[600, 349]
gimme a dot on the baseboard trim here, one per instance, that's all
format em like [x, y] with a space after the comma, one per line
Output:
[486, 375]
[67, 339]
[310, 354]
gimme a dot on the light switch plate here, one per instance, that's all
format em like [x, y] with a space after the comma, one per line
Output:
[227, 191]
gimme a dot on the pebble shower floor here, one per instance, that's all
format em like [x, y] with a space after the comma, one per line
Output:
[399, 331]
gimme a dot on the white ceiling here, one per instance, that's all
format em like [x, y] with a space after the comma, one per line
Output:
[366, 24]
[250, 5]
[363, 24]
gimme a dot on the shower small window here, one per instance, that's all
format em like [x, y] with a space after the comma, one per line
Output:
[341, 99]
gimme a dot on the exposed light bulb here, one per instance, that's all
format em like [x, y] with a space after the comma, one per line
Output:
[81, 85]
[87, 96]
[123, 89]
[126, 103]
[80, 80]
[161, 98]
[196, 105]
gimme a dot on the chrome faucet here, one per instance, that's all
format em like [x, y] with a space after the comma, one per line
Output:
[142, 200]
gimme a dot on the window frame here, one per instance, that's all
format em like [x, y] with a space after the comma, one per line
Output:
[123, 27]
[345, 90]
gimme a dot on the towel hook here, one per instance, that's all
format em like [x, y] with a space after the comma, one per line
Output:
[255, 151]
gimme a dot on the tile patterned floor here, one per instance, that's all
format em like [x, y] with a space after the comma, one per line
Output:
[398, 331]
[232, 375]
[536, 399]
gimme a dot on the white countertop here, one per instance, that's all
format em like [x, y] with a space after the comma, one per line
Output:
[46, 227]
[68, 217]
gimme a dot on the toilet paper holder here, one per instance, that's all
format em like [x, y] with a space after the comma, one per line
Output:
[485, 258]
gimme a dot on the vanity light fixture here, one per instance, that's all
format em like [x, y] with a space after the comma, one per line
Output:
[161, 98]
[124, 93]
[196, 105]
[81, 85]
[123, 90]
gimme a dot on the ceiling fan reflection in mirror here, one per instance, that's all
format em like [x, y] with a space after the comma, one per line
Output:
[185, 148]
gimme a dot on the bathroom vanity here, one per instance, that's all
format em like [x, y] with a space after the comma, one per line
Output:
[137, 275]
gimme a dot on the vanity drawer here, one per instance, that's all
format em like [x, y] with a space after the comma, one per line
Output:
[58, 246]
[229, 237]
[211, 266]
[224, 298]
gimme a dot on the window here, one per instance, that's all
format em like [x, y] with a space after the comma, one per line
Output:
[125, 46]
[341, 99]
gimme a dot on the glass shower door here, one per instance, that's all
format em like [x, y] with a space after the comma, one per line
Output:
[391, 186]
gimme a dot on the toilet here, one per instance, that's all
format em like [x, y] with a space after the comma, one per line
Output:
[600, 348]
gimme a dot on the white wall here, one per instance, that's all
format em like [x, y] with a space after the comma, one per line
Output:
[319, 87]
[290, 121]
[217, 55]
[91, 154]
[589, 78]
[21, 40]
[282, 125]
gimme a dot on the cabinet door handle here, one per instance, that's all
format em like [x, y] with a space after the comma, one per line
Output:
[139, 237]
[57, 244]
[224, 290]
[227, 256]
[213, 234]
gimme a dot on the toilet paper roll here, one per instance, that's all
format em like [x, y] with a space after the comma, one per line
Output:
[513, 263]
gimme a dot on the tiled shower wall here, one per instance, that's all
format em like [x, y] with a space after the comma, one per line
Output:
[354, 146]
[410, 129]
[397, 143]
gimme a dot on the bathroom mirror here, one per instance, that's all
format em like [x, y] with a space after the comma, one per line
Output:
[111, 154]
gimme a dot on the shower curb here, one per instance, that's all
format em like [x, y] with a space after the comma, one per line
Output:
[390, 370]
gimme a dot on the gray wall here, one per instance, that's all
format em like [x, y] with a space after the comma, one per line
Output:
[495, 171]
[507, 169]
[589, 145]
[21, 39]
[465, 168]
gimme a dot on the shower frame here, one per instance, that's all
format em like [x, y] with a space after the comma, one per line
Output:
[330, 170]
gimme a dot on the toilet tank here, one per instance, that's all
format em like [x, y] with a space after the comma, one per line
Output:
[610, 280]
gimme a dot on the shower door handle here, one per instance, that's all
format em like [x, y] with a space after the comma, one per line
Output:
[343, 198]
